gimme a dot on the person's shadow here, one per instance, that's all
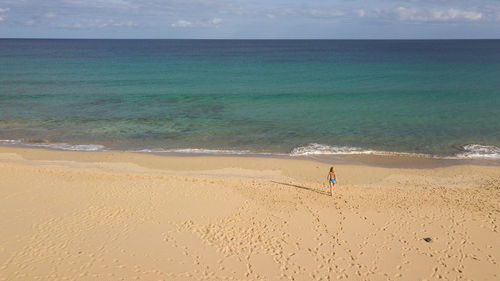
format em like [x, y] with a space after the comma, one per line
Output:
[304, 187]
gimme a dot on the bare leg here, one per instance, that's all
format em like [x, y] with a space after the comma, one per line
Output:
[331, 188]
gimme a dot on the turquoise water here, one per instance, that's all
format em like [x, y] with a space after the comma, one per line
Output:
[301, 97]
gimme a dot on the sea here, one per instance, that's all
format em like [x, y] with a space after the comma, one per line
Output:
[422, 98]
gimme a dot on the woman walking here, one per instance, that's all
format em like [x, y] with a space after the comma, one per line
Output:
[332, 178]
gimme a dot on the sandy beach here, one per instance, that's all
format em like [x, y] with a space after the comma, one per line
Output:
[129, 216]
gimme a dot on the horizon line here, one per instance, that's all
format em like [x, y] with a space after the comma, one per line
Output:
[248, 39]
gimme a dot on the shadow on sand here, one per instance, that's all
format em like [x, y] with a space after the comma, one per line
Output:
[304, 187]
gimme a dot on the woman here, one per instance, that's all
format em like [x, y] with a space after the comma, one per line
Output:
[332, 178]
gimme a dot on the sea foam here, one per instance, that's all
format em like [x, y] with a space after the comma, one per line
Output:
[470, 151]
[323, 149]
[478, 151]
[55, 145]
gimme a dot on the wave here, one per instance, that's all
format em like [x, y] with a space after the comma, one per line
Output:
[55, 145]
[470, 151]
[478, 151]
[323, 149]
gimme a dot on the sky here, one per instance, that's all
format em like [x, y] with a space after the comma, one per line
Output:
[251, 19]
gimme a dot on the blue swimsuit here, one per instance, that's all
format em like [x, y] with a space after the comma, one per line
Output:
[332, 180]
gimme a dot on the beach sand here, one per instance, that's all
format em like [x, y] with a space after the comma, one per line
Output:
[125, 216]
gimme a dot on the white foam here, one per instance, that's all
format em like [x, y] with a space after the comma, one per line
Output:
[478, 151]
[470, 151]
[322, 149]
[57, 145]
[9, 141]
[74, 147]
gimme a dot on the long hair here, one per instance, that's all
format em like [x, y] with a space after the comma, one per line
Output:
[331, 170]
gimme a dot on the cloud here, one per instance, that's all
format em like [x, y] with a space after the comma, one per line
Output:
[113, 4]
[92, 23]
[182, 23]
[452, 14]
[323, 13]
[308, 12]
[128, 23]
[111, 23]
[455, 13]
[71, 25]
[216, 21]
[2, 13]
[50, 15]
[213, 22]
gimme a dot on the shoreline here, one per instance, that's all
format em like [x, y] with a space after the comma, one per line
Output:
[396, 160]
[117, 215]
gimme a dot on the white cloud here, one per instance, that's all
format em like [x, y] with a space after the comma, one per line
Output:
[308, 12]
[2, 13]
[216, 21]
[71, 25]
[407, 13]
[114, 4]
[92, 23]
[413, 14]
[182, 23]
[128, 24]
[455, 13]
[288, 12]
[111, 23]
[213, 22]
[324, 13]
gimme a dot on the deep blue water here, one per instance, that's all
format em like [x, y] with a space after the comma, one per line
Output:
[439, 97]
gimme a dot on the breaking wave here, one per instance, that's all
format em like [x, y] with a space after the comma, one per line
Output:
[470, 151]
[322, 149]
[478, 151]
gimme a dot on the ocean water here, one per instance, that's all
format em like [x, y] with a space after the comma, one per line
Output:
[293, 97]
